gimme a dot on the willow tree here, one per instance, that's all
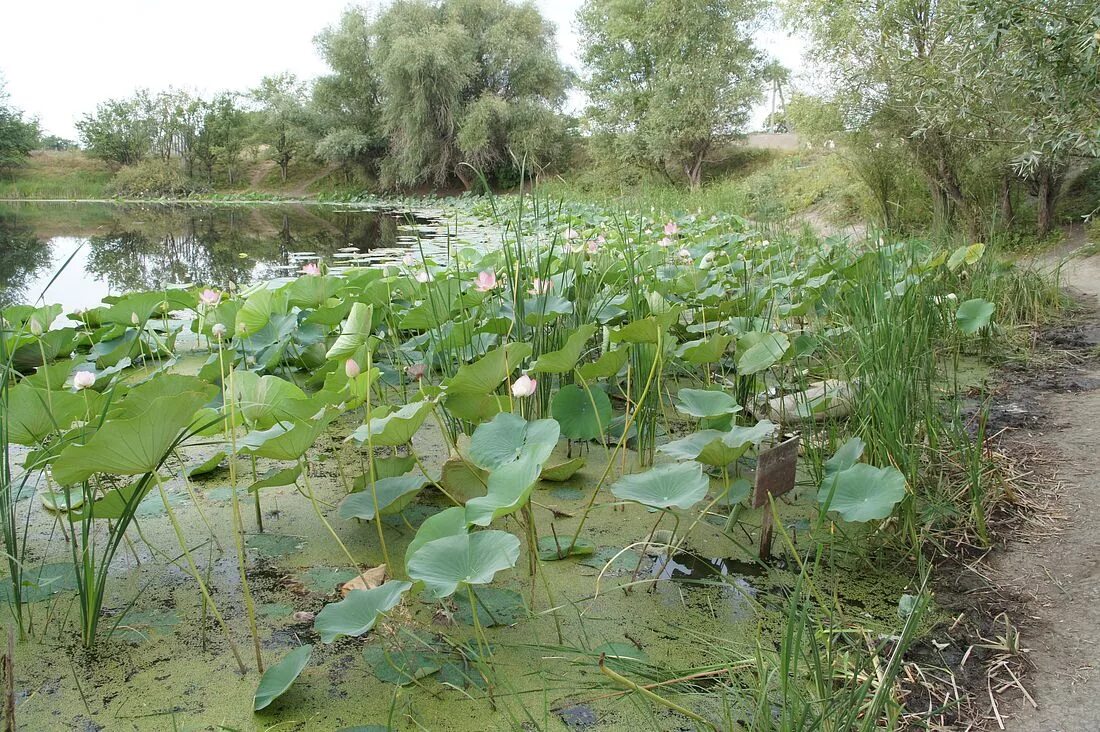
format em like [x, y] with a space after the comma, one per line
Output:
[670, 80]
[467, 87]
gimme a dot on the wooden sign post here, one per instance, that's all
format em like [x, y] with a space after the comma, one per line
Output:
[775, 473]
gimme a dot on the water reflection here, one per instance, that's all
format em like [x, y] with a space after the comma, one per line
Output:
[119, 248]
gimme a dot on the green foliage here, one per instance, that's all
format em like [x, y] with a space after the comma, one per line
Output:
[277, 679]
[283, 121]
[669, 82]
[152, 179]
[467, 85]
[18, 136]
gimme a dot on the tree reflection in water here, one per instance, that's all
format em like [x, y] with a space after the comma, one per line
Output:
[143, 246]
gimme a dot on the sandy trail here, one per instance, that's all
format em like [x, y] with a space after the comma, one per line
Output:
[1060, 575]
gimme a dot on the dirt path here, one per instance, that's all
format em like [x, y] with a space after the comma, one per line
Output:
[1059, 575]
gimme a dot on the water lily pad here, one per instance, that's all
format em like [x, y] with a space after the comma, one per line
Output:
[845, 457]
[61, 501]
[464, 559]
[448, 522]
[706, 403]
[275, 545]
[508, 436]
[564, 360]
[403, 666]
[278, 678]
[326, 579]
[509, 489]
[495, 606]
[388, 426]
[357, 613]
[621, 561]
[863, 492]
[207, 466]
[553, 549]
[582, 414]
[275, 478]
[766, 350]
[973, 315]
[390, 495]
[562, 471]
[39, 582]
[675, 485]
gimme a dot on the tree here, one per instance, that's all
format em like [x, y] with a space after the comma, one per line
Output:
[980, 91]
[347, 102]
[669, 80]
[282, 105]
[116, 132]
[226, 126]
[18, 136]
[467, 86]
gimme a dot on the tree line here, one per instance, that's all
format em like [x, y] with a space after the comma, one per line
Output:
[987, 102]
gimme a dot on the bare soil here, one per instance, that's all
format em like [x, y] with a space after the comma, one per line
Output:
[1056, 573]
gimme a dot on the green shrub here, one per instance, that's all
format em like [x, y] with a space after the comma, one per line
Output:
[153, 179]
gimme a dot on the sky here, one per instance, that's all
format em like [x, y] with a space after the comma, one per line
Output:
[61, 57]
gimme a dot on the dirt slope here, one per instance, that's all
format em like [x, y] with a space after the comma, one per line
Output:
[1060, 574]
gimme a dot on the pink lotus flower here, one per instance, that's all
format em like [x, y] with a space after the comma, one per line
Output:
[408, 260]
[423, 277]
[135, 319]
[416, 371]
[540, 287]
[351, 368]
[524, 386]
[570, 234]
[685, 256]
[486, 281]
[210, 298]
[83, 380]
[671, 229]
[595, 244]
[218, 330]
[666, 242]
[312, 269]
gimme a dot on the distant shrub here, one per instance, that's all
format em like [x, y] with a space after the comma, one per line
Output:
[153, 179]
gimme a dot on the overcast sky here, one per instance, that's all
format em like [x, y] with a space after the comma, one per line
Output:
[61, 57]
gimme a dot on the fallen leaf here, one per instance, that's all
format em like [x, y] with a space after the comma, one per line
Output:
[368, 580]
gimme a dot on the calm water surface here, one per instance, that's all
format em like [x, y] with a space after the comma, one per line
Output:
[114, 248]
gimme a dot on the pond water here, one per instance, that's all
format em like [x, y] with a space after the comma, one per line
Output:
[82, 252]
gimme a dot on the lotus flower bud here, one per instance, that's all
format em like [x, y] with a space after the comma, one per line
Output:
[524, 386]
[351, 368]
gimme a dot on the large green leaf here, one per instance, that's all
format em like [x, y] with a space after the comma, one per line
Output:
[487, 373]
[708, 350]
[448, 522]
[706, 403]
[583, 415]
[705, 446]
[390, 427]
[845, 457]
[973, 315]
[33, 414]
[764, 353]
[275, 478]
[744, 437]
[510, 487]
[674, 485]
[507, 437]
[605, 366]
[255, 313]
[278, 678]
[463, 559]
[863, 492]
[393, 495]
[131, 446]
[564, 360]
[355, 333]
[357, 613]
[286, 441]
[267, 400]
